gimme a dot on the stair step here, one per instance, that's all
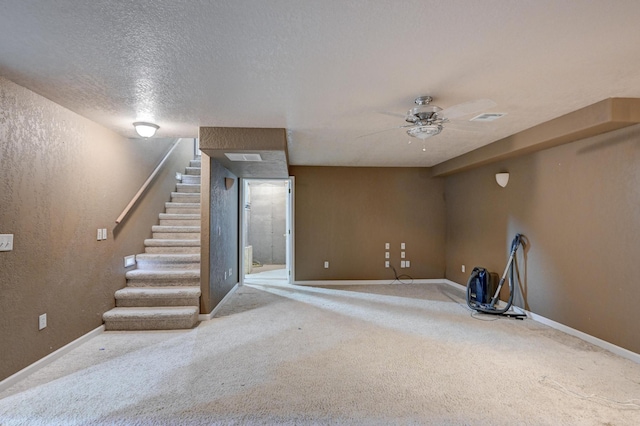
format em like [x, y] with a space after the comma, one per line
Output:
[182, 208]
[175, 219]
[167, 278]
[194, 171]
[185, 197]
[158, 245]
[151, 318]
[191, 179]
[158, 296]
[162, 261]
[195, 163]
[175, 232]
[188, 187]
[181, 229]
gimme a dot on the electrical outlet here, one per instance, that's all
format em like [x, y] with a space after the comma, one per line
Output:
[386, 255]
[401, 255]
[463, 268]
[104, 233]
[401, 246]
[326, 264]
[407, 263]
[386, 246]
[403, 263]
[386, 263]
[99, 237]
[42, 321]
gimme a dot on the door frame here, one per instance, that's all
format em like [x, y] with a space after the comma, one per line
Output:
[289, 225]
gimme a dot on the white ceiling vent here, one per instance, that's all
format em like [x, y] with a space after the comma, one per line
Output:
[243, 157]
[488, 116]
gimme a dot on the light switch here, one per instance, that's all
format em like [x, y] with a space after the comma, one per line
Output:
[401, 246]
[6, 242]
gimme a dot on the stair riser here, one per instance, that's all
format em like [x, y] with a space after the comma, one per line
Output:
[191, 179]
[151, 324]
[160, 265]
[180, 222]
[176, 235]
[187, 189]
[182, 210]
[195, 163]
[193, 171]
[137, 282]
[183, 197]
[157, 301]
[172, 250]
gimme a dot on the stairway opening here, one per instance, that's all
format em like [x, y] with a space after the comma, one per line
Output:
[163, 292]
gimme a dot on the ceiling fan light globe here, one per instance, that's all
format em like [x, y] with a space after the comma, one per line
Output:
[424, 132]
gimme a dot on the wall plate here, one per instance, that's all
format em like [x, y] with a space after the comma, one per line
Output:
[6, 242]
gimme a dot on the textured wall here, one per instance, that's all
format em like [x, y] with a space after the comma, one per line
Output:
[578, 206]
[61, 178]
[345, 215]
[223, 240]
[267, 221]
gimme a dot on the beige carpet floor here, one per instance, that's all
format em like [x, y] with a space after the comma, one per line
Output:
[361, 355]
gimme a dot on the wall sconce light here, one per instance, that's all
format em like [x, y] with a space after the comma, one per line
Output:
[502, 179]
[228, 183]
[145, 130]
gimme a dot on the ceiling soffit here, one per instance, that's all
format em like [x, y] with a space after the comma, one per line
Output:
[601, 117]
[270, 144]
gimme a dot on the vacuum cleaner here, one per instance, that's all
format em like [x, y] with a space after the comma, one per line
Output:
[483, 287]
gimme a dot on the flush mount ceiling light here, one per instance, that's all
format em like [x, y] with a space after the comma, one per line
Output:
[145, 130]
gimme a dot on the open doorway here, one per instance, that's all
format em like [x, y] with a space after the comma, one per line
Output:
[266, 229]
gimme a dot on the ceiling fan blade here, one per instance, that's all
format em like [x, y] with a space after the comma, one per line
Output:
[385, 130]
[393, 114]
[464, 126]
[466, 108]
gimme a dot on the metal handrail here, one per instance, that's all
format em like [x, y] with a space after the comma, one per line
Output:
[146, 184]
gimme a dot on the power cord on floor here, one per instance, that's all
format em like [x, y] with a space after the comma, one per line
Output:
[400, 277]
[629, 404]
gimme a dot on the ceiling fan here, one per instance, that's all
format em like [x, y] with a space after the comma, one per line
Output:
[426, 120]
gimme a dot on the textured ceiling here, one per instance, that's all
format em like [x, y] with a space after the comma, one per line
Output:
[328, 71]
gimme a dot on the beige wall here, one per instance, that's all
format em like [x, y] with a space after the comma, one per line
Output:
[61, 178]
[579, 207]
[345, 215]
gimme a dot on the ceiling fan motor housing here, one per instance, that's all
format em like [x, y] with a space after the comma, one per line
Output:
[423, 114]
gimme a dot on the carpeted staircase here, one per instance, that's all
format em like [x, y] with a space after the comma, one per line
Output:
[164, 291]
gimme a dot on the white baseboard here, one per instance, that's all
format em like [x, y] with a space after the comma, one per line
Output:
[22, 374]
[210, 315]
[365, 282]
[625, 353]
